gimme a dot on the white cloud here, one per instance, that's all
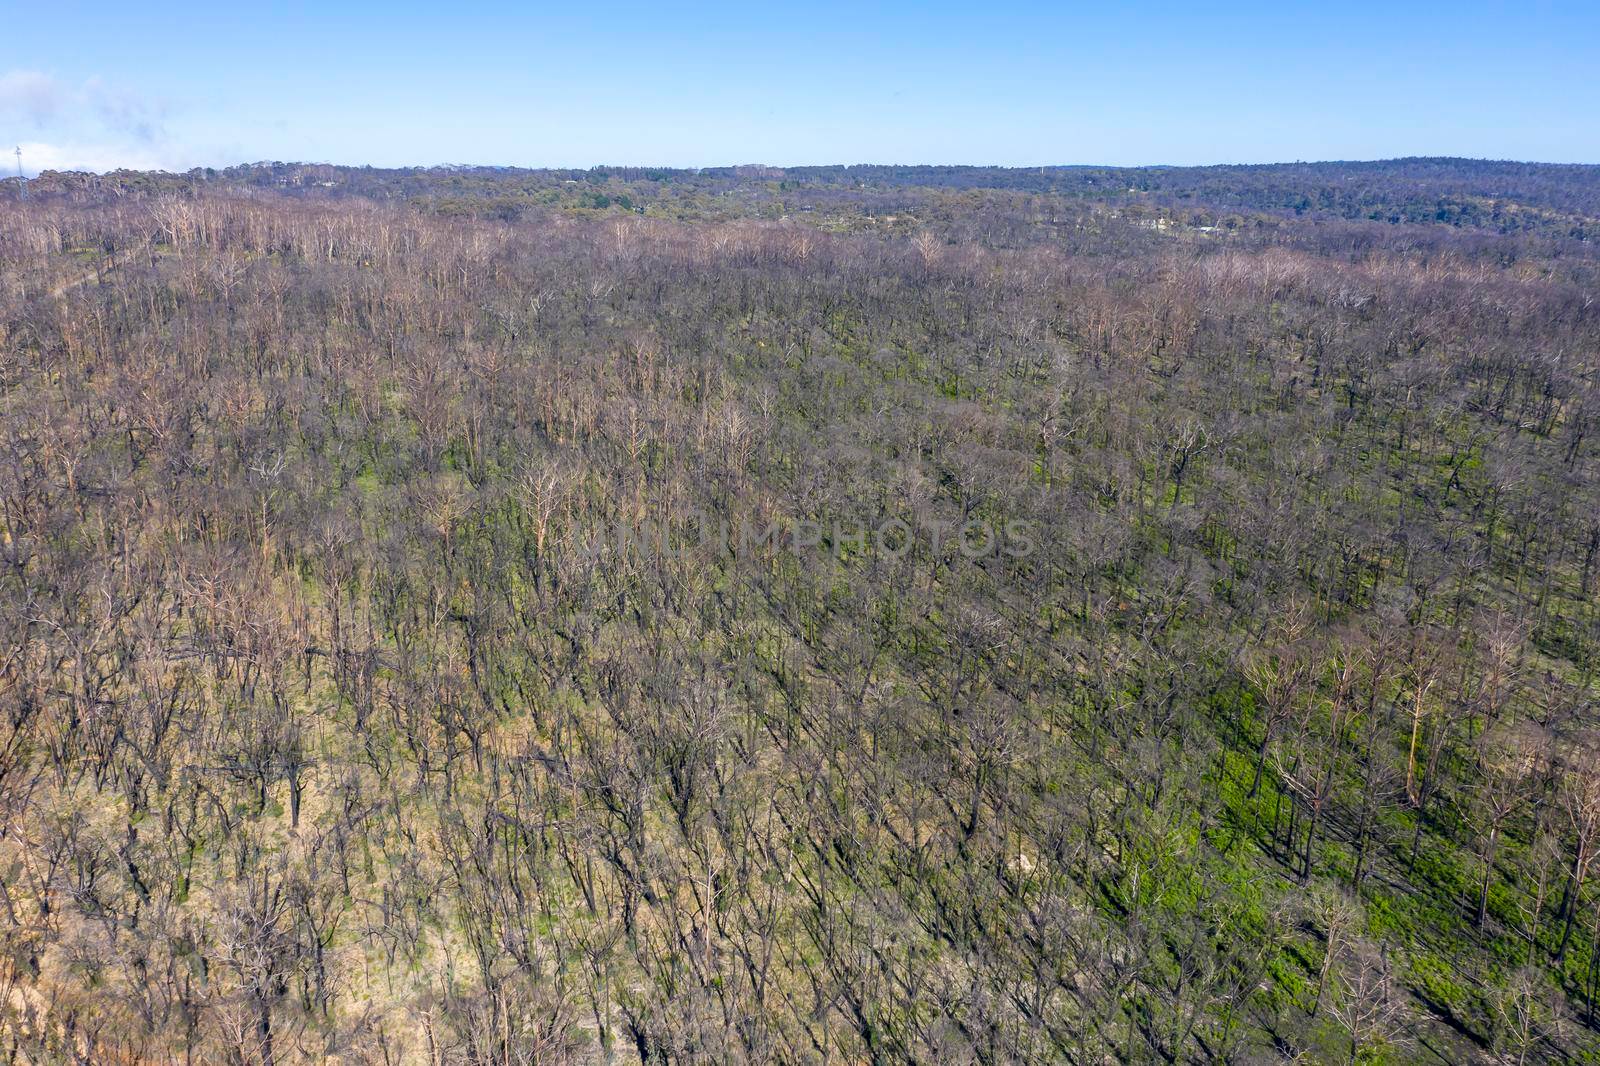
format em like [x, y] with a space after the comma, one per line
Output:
[31, 95]
[84, 126]
[99, 158]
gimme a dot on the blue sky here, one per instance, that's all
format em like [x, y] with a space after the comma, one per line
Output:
[97, 85]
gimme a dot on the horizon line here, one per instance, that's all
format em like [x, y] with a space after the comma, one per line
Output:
[701, 168]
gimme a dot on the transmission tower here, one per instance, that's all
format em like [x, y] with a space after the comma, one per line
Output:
[22, 182]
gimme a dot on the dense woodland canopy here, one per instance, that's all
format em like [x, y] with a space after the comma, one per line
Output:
[337, 724]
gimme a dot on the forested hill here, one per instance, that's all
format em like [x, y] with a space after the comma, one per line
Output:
[1499, 197]
[1393, 189]
[490, 617]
